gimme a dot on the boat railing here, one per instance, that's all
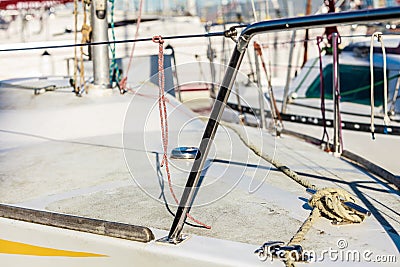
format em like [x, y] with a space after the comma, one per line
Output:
[285, 24]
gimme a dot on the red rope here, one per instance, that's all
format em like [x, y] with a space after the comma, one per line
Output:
[164, 120]
[124, 80]
[264, 66]
[161, 98]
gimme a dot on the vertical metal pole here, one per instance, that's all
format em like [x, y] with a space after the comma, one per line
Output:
[306, 37]
[263, 123]
[336, 96]
[68, 67]
[192, 183]
[100, 52]
[210, 56]
[250, 76]
[286, 90]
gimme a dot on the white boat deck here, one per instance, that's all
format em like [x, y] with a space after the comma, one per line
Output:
[71, 155]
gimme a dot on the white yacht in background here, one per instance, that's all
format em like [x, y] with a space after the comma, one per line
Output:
[105, 177]
[355, 95]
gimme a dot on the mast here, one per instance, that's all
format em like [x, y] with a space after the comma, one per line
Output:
[308, 12]
[166, 8]
[191, 7]
[100, 52]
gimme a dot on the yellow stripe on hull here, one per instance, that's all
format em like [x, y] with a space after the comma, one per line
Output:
[11, 247]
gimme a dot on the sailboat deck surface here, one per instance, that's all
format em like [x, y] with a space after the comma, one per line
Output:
[75, 164]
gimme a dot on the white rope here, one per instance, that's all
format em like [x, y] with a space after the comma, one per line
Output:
[386, 118]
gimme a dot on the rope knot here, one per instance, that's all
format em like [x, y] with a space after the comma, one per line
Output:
[334, 204]
[158, 39]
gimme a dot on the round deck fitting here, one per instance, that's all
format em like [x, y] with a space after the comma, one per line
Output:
[184, 152]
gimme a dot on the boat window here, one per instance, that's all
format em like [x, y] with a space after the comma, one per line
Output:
[354, 84]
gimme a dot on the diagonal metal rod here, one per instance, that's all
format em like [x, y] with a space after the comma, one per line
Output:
[206, 142]
[315, 21]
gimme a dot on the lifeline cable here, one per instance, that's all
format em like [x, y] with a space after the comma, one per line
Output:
[164, 121]
[172, 37]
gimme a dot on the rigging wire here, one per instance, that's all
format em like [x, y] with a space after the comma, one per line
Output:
[386, 118]
[171, 37]
[162, 193]
[322, 92]
[253, 7]
[148, 39]
[164, 121]
[125, 79]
